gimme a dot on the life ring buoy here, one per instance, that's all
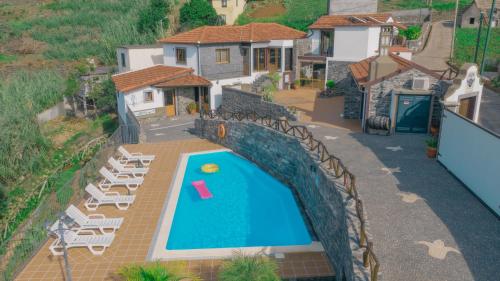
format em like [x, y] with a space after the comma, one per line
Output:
[221, 131]
[210, 168]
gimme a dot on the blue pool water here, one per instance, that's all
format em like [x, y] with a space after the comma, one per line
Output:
[249, 208]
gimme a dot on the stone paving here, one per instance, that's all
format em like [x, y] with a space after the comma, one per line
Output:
[425, 224]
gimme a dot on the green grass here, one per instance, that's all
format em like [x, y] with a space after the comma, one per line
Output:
[7, 58]
[466, 44]
[438, 5]
[299, 14]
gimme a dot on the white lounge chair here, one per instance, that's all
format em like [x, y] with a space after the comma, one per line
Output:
[121, 168]
[96, 243]
[97, 198]
[110, 180]
[93, 221]
[128, 157]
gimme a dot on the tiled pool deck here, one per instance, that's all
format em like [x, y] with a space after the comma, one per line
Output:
[134, 238]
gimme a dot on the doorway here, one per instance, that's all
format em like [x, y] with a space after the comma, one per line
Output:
[467, 107]
[274, 59]
[413, 113]
[245, 53]
[169, 98]
[202, 98]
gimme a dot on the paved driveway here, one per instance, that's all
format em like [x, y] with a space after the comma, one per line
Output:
[412, 205]
[489, 115]
[437, 52]
[169, 129]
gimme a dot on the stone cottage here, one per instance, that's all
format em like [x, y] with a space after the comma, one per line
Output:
[472, 14]
[402, 93]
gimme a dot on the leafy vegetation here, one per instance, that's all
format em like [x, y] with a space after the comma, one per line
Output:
[330, 84]
[154, 18]
[6, 58]
[299, 13]
[249, 268]
[156, 272]
[412, 33]
[466, 39]
[103, 95]
[196, 13]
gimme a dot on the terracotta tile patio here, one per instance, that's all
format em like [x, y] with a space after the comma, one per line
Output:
[325, 111]
[133, 239]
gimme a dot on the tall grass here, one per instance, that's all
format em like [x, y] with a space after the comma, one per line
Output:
[466, 39]
[22, 145]
[438, 5]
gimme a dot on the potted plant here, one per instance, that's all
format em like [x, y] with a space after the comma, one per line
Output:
[243, 267]
[330, 85]
[191, 108]
[296, 84]
[431, 147]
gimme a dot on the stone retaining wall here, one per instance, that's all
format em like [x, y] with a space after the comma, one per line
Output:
[328, 207]
[236, 100]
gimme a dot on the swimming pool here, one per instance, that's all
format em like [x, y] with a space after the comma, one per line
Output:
[250, 210]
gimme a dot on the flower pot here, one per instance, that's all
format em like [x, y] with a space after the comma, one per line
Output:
[431, 152]
[434, 131]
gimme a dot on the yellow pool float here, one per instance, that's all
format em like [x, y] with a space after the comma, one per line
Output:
[210, 168]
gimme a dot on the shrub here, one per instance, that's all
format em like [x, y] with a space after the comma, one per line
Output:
[412, 33]
[191, 107]
[330, 84]
[249, 268]
[154, 17]
[432, 143]
[155, 272]
[104, 95]
[196, 13]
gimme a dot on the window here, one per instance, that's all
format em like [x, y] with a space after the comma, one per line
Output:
[472, 20]
[224, 3]
[122, 56]
[148, 96]
[288, 59]
[259, 59]
[180, 54]
[222, 56]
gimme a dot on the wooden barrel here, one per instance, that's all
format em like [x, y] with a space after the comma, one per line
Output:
[379, 122]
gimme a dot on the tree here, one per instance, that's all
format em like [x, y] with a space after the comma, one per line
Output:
[154, 16]
[196, 13]
[104, 95]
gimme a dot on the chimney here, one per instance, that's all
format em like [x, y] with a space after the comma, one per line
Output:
[382, 66]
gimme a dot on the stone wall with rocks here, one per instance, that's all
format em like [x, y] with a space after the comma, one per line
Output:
[338, 71]
[328, 207]
[236, 100]
[353, 103]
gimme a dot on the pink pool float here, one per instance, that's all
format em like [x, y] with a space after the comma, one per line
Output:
[202, 189]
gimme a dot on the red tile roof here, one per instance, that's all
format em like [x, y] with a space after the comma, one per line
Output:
[252, 32]
[326, 22]
[185, 81]
[361, 70]
[399, 48]
[150, 76]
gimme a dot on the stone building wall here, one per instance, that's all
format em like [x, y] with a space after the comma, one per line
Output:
[353, 104]
[211, 70]
[338, 71]
[235, 100]
[381, 93]
[329, 209]
[184, 97]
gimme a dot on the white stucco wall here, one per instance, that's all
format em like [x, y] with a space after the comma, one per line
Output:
[191, 56]
[135, 99]
[355, 43]
[405, 55]
[466, 91]
[139, 58]
[216, 90]
[473, 155]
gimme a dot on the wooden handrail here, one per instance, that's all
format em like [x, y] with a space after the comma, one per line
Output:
[334, 165]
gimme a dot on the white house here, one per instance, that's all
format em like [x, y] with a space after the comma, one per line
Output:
[220, 55]
[339, 40]
[464, 96]
[136, 57]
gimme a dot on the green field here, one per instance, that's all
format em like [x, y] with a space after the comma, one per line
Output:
[466, 39]
[438, 5]
[299, 14]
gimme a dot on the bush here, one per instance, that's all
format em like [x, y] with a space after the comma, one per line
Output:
[196, 13]
[249, 268]
[104, 95]
[154, 17]
[191, 107]
[330, 84]
[412, 33]
[155, 272]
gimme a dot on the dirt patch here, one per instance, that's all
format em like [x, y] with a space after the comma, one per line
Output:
[61, 129]
[268, 11]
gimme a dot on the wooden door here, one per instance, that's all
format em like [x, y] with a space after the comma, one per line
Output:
[467, 107]
[245, 52]
[274, 59]
[169, 97]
